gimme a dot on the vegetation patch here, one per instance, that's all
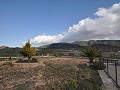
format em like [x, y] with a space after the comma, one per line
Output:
[7, 64]
[18, 78]
[55, 75]
[71, 77]
[98, 65]
[33, 60]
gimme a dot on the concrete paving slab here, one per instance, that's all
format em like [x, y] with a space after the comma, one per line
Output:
[108, 83]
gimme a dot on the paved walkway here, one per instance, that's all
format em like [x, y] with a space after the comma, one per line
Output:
[108, 83]
[111, 70]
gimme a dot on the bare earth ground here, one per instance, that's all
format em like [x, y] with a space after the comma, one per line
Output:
[37, 76]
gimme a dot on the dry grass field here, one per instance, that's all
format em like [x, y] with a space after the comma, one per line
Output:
[49, 74]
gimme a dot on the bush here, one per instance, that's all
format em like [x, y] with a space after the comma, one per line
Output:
[27, 61]
[34, 60]
[8, 63]
[71, 85]
[20, 61]
[98, 66]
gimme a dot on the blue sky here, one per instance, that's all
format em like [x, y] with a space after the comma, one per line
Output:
[21, 20]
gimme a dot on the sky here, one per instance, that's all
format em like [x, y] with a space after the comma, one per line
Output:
[53, 21]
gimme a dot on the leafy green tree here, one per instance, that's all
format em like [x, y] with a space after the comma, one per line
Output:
[28, 51]
[44, 52]
[92, 53]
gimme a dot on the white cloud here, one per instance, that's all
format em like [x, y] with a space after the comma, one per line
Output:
[105, 26]
[46, 39]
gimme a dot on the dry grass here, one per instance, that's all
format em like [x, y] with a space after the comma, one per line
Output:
[47, 74]
[68, 60]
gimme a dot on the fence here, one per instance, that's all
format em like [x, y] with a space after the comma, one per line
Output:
[7, 58]
[113, 70]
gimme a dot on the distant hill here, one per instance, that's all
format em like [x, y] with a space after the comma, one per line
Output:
[65, 46]
[81, 43]
[107, 42]
[91, 42]
[104, 45]
[2, 47]
[7, 51]
[44, 46]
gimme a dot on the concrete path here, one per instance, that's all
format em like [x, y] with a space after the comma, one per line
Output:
[108, 83]
[112, 72]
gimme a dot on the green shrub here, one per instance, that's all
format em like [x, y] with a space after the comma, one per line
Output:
[20, 61]
[27, 61]
[71, 85]
[34, 60]
[8, 63]
[98, 66]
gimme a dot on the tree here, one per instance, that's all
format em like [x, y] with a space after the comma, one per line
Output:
[92, 53]
[44, 52]
[28, 51]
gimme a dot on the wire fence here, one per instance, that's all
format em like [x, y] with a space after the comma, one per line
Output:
[113, 69]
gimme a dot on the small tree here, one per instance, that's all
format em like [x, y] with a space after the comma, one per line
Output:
[28, 51]
[92, 53]
[44, 52]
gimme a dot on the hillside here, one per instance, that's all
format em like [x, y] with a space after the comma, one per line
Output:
[81, 43]
[104, 45]
[64, 46]
[91, 42]
[2, 47]
[7, 51]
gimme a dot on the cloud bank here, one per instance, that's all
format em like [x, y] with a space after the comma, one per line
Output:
[105, 26]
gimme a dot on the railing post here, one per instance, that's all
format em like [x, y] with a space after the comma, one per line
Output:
[116, 73]
[107, 67]
[103, 60]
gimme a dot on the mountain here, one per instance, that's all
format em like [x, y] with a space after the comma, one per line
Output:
[107, 42]
[7, 51]
[104, 45]
[65, 46]
[91, 42]
[81, 43]
[2, 47]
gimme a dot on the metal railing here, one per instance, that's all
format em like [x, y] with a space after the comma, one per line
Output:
[113, 70]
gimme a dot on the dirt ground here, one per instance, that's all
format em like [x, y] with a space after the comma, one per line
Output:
[29, 76]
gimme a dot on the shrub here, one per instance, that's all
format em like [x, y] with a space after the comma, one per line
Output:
[34, 60]
[98, 66]
[71, 85]
[27, 61]
[9, 64]
[19, 61]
